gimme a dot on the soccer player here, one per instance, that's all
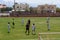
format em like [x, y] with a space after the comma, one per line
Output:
[22, 21]
[27, 28]
[29, 22]
[8, 27]
[48, 25]
[33, 29]
[13, 23]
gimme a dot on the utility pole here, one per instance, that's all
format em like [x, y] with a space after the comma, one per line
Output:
[14, 5]
[0, 9]
[14, 8]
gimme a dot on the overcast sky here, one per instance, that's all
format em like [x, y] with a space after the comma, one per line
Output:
[33, 3]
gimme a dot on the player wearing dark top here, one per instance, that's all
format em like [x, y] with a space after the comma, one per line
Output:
[29, 21]
[27, 28]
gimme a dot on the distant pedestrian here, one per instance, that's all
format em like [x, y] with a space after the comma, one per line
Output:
[33, 28]
[8, 27]
[27, 28]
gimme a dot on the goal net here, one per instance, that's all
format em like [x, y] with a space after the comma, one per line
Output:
[49, 36]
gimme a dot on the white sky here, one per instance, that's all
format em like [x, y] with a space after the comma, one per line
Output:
[32, 2]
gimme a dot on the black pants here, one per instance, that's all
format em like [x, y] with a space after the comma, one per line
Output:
[27, 30]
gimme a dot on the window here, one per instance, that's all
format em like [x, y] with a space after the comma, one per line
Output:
[18, 7]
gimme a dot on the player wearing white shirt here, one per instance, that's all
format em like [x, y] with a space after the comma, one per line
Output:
[33, 29]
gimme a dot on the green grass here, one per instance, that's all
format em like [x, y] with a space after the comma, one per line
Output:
[19, 32]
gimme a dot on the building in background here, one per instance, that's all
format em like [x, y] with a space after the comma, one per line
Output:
[2, 6]
[34, 9]
[21, 7]
[46, 8]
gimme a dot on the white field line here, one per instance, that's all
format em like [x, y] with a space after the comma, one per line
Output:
[50, 33]
[46, 22]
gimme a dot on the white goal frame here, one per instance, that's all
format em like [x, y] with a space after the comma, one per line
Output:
[46, 33]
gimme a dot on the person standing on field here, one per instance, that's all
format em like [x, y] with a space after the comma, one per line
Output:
[8, 27]
[27, 28]
[33, 29]
[29, 22]
[22, 21]
[13, 23]
[48, 24]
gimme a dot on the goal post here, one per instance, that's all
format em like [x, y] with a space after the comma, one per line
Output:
[49, 36]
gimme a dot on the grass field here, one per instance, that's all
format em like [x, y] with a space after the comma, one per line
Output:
[18, 33]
